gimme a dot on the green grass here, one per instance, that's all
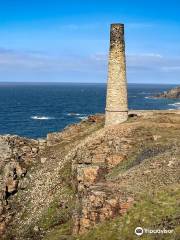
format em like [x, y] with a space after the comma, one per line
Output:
[56, 213]
[61, 232]
[143, 150]
[137, 156]
[155, 211]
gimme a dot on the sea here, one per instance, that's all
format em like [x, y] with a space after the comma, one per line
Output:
[35, 109]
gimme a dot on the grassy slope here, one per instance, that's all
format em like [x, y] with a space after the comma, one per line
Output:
[157, 202]
[155, 211]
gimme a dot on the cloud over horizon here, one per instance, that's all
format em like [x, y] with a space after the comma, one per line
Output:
[140, 64]
[40, 61]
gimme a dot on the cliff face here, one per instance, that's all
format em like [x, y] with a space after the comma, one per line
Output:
[90, 182]
[16, 155]
[173, 93]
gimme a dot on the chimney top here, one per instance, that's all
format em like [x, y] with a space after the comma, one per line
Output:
[117, 24]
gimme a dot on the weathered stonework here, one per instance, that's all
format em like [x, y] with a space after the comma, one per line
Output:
[97, 199]
[116, 100]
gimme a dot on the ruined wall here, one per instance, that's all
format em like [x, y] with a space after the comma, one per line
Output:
[97, 198]
[116, 100]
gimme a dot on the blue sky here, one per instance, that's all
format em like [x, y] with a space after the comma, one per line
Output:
[68, 41]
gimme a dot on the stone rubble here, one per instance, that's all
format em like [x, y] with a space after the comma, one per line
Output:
[16, 154]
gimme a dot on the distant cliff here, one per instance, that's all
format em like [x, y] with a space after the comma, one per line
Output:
[89, 182]
[173, 93]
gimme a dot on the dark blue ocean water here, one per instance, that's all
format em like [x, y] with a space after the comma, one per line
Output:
[33, 110]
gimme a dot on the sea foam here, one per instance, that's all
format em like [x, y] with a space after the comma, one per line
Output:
[73, 114]
[83, 118]
[176, 105]
[41, 118]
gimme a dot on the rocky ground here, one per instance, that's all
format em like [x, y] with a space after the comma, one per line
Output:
[90, 182]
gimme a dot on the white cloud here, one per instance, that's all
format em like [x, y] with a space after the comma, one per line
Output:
[45, 62]
[153, 55]
[171, 68]
[99, 57]
[146, 62]
[39, 61]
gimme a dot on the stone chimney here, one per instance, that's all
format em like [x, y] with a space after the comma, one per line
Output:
[116, 99]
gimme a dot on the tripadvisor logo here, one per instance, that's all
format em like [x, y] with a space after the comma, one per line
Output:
[139, 231]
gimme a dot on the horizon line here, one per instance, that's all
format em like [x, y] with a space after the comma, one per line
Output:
[9, 82]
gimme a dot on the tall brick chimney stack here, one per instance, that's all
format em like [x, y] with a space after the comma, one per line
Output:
[116, 99]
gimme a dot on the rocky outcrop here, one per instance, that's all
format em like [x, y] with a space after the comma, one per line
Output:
[16, 155]
[98, 199]
[75, 130]
[172, 93]
[95, 118]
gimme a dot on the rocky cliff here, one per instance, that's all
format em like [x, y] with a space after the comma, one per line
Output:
[172, 93]
[90, 182]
